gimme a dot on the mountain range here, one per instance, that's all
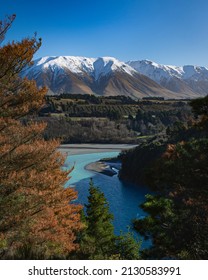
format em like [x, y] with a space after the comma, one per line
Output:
[109, 76]
[187, 79]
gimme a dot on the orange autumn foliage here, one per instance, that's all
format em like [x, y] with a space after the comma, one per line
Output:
[35, 208]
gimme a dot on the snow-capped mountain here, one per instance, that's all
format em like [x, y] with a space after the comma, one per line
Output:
[185, 79]
[102, 76]
[109, 76]
[79, 65]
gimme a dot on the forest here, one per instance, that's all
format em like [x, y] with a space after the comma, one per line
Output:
[96, 119]
[176, 170]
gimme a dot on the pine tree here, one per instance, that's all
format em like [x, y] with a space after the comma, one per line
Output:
[127, 247]
[35, 209]
[98, 239]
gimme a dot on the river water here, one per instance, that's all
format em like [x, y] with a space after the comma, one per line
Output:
[124, 198]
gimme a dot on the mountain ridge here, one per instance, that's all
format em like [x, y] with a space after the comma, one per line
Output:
[189, 78]
[107, 76]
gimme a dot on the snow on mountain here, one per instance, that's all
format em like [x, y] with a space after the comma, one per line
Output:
[109, 76]
[159, 71]
[188, 78]
[155, 71]
[105, 65]
[102, 76]
[95, 67]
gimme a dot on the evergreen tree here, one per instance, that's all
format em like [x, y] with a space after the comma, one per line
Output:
[200, 106]
[98, 241]
[127, 247]
[177, 218]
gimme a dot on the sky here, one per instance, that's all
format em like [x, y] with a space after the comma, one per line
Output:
[173, 32]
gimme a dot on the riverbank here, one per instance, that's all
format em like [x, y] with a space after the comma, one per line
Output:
[106, 166]
[80, 149]
[101, 167]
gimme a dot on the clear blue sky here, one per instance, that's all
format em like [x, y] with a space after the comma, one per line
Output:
[166, 31]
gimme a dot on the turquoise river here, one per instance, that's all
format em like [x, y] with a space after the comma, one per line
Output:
[124, 198]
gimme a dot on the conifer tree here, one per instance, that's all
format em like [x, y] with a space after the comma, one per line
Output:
[35, 209]
[128, 247]
[98, 240]
[177, 218]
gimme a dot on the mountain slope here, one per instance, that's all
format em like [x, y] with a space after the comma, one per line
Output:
[189, 79]
[102, 76]
[109, 76]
